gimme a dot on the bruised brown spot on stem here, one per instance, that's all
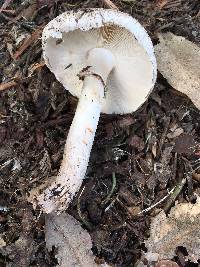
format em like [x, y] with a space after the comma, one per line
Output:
[84, 142]
[89, 130]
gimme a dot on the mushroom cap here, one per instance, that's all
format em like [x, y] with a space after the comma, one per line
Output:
[68, 38]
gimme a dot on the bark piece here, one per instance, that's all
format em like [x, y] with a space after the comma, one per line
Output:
[178, 60]
[73, 243]
[180, 228]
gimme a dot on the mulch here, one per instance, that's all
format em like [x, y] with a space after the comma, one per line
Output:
[136, 159]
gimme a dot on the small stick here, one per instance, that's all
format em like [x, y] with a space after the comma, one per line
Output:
[189, 171]
[163, 136]
[156, 204]
[106, 200]
[34, 36]
[5, 5]
[110, 4]
[87, 224]
[4, 86]
[174, 166]
[11, 11]
[177, 190]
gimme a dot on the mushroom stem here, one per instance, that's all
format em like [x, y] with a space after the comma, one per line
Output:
[81, 135]
[77, 148]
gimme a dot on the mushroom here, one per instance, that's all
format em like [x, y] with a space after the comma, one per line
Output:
[106, 59]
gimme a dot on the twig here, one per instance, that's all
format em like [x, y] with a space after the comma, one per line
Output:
[10, 11]
[173, 4]
[167, 4]
[87, 224]
[176, 192]
[110, 4]
[106, 200]
[5, 5]
[189, 171]
[34, 36]
[4, 86]
[163, 136]
[7, 85]
[156, 204]
[174, 166]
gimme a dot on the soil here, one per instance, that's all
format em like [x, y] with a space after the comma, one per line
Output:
[136, 159]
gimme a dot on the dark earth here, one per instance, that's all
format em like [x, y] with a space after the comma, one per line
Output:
[136, 159]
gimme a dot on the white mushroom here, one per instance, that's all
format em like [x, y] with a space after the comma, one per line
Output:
[106, 59]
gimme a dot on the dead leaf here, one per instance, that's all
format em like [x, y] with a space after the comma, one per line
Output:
[29, 12]
[20, 250]
[109, 130]
[2, 242]
[196, 176]
[185, 144]
[179, 60]
[180, 228]
[3, 132]
[125, 122]
[73, 243]
[175, 132]
[166, 263]
[34, 67]
[48, 3]
[136, 142]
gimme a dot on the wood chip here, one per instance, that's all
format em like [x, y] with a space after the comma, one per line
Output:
[110, 4]
[8, 85]
[5, 5]
[161, 3]
[34, 36]
[166, 263]
[2, 242]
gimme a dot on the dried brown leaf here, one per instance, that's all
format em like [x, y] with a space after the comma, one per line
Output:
[73, 243]
[136, 142]
[3, 132]
[196, 176]
[125, 122]
[2, 242]
[166, 263]
[175, 132]
[34, 67]
[185, 144]
[179, 60]
[48, 3]
[29, 12]
[180, 228]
